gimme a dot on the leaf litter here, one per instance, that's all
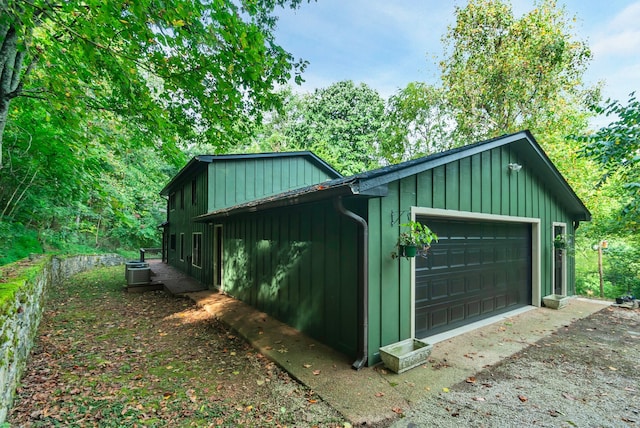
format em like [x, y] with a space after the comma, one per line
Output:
[104, 357]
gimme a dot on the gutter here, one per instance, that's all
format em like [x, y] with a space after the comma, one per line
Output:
[363, 345]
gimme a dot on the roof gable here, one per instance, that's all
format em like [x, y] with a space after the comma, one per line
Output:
[522, 143]
[373, 183]
[198, 162]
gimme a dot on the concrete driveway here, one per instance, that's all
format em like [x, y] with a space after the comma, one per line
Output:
[374, 395]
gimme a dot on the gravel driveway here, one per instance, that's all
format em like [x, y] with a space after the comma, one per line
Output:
[584, 375]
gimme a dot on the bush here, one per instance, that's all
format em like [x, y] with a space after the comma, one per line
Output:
[622, 267]
[17, 242]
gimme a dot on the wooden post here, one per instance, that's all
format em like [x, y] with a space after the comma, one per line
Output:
[600, 271]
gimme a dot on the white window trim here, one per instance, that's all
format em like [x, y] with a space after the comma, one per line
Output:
[536, 298]
[563, 286]
[181, 243]
[218, 245]
[193, 240]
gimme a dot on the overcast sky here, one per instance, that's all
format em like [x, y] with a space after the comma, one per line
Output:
[388, 43]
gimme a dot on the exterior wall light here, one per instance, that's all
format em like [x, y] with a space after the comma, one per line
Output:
[515, 167]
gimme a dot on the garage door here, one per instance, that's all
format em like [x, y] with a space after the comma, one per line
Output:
[477, 269]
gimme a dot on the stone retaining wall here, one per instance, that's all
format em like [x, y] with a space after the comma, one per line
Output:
[21, 311]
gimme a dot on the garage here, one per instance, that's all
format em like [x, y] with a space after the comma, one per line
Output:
[330, 260]
[477, 269]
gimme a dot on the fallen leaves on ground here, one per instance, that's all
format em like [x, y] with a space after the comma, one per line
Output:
[104, 357]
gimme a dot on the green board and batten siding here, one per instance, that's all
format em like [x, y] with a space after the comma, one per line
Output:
[480, 183]
[294, 256]
[225, 181]
[299, 265]
[180, 222]
[233, 182]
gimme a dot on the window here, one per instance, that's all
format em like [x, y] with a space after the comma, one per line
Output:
[197, 250]
[172, 242]
[194, 192]
[182, 246]
[172, 201]
[217, 256]
[182, 198]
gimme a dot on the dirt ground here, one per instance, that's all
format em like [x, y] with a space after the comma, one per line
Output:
[584, 375]
[107, 358]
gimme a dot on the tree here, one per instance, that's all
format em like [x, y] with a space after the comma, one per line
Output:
[342, 124]
[616, 148]
[174, 67]
[96, 184]
[504, 74]
[418, 123]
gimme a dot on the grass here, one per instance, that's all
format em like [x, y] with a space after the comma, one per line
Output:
[107, 358]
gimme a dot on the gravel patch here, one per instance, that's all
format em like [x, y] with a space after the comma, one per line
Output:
[585, 374]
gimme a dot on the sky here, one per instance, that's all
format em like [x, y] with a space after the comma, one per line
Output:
[389, 43]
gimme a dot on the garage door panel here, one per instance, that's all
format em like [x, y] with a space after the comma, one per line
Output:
[457, 258]
[439, 318]
[457, 287]
[473, 309]
[488, 305]
[457, 313]
[437, 258]
[474, 257]
[439, 290]
[476, 269]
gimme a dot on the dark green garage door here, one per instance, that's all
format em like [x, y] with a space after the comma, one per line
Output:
[477, 269]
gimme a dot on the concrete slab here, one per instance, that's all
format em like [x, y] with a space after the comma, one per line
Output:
[374, 394]
[172, 280]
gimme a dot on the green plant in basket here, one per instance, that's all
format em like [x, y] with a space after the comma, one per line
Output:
[417, 236]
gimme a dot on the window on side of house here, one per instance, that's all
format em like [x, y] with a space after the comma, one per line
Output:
[182, 246]
[194, 192]
[182, 198]
[172, 242]
[172, 201]
[197, 250]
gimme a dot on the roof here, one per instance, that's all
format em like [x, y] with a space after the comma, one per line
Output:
[374, 183]
[198, 161]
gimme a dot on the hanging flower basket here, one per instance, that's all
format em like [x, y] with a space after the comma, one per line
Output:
[417, 237]
[560, 242]
[408, 250]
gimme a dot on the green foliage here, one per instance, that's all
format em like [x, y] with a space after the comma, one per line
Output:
[14, 276]
[417, 234]
[342, 124]
[86, 189]
[98, 97]
[615, 148]
[621, 264]
[165, 66]
[17, 242]
[418, 123]
[503, 74]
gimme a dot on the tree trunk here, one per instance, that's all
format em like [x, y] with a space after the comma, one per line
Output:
[4, 114]
[12, 55]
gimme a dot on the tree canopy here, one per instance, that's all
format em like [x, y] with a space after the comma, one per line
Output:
[502, 74]
[177, 68]
[419, 123]
[99, 99]
[616, 149]
[341, 123]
